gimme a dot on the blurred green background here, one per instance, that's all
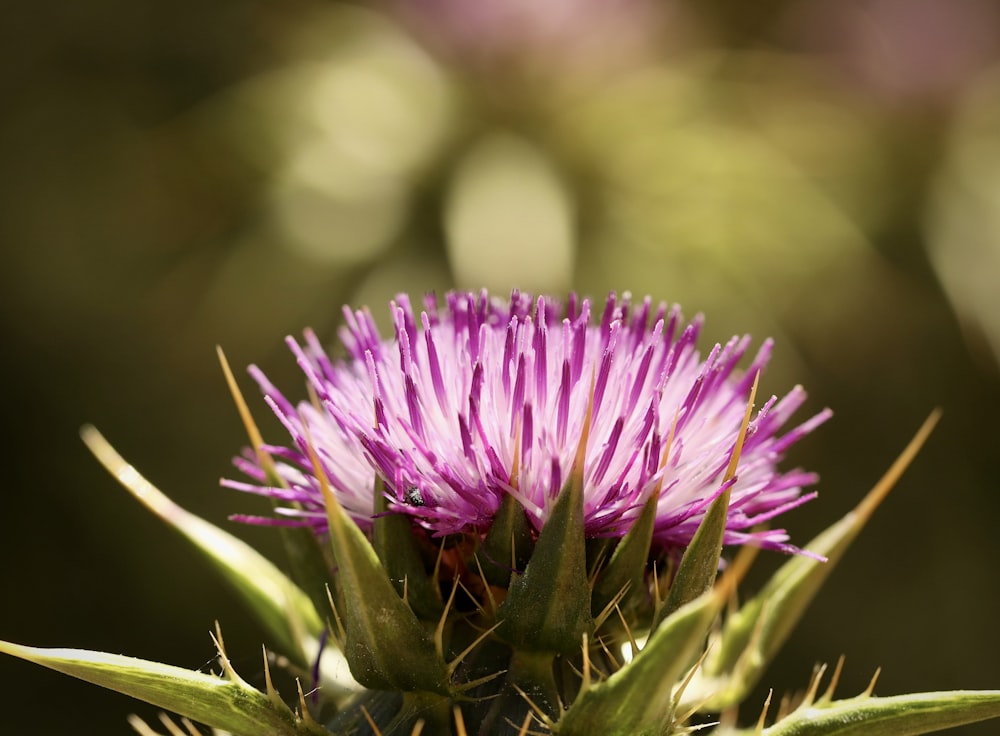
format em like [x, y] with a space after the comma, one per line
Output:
[179, 175]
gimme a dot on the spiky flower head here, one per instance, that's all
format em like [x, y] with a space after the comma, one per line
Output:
[479, 398]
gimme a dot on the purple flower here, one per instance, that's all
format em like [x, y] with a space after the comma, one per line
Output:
[479, 397]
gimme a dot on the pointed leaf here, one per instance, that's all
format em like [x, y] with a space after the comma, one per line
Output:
[386, 647]
[699, 566]
[280, 605]
[752, 636]
[508, 544]
[547, 607]
[310, 562]
[227, 703]
[901, 715]
[627, 566]
[310, 565]
[638, 698]
[396, 547]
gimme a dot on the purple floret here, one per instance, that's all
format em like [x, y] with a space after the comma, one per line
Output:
[474, 386]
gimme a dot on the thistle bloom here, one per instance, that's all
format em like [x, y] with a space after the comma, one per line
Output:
[478, 397]
[571, 456]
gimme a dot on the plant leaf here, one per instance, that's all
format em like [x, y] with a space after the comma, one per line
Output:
[309, 560]
[640, 697]
[281, 606]
[508, 544]
[386, 646]
[547, 607]
[699, 566]
[753, 635]
[226, 703]
[627, 565]
[900, 715]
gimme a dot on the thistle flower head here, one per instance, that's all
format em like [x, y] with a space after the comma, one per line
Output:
[558, 458]
[476, 398]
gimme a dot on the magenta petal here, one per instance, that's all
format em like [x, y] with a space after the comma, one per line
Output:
[440, 405]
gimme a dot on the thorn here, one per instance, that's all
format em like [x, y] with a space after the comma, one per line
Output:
[473, 684]
[515, 466]
[612, 605]
[540, 714]
[342, 638]
[817, 675]
[871, 685]
[667, 447]
[417, 728]
[439, 631]
[272, 693]
[734, 459]
[371, 722]
[601, 676]
[658, 600]
[763, 712]
[437, 563]
[597, 567]
[140, 726]
[585, 650]
[703, 726]
[475, 599]
[227, 666]
[628, 632]
[612, 657]
[253, 433]
[220, 647]
[192, 731]
[687, 681]
[172, 727]
[304, 715]
[334, 511]
[313, 397]
[487, 587]
[453, 665]
[885, 484]
[525, 723]
[576, 474]
[459, 722]
[834, 679]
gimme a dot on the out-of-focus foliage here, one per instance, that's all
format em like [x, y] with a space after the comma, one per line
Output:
[176, 175]
[963, 221]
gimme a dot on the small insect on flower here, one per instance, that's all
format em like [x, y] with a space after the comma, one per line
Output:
[413, 497]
